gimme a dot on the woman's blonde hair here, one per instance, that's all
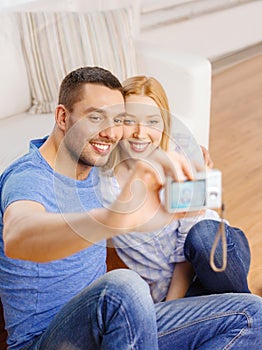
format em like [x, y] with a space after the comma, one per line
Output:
[150, 87]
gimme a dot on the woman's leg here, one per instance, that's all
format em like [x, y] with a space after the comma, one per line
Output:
[115, 312]
[197, 250]
[223, 321]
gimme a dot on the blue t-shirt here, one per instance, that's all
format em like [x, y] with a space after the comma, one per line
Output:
[32, 293]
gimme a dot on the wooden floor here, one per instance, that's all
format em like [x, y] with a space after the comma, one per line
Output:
[236, 148]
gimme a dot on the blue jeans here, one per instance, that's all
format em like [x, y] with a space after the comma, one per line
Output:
[117, 313]
[218, 322]
[197, 249]
[114, 312]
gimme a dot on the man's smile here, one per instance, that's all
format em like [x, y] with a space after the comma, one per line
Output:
[101, 147]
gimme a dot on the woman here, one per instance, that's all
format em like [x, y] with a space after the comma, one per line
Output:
[169, 259]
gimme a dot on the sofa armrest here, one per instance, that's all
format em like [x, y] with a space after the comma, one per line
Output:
[186, 78]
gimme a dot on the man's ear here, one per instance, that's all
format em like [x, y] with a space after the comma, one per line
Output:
[61, 114]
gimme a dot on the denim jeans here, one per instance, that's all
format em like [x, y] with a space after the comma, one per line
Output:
[219, 322]
[117, 313]
[197, 249]
[114, 312]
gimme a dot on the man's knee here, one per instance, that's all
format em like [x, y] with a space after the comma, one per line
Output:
[127, 291]
[127, 284]
[124, 277]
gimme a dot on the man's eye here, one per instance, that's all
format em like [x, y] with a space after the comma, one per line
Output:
[96, 117]
[118, 121]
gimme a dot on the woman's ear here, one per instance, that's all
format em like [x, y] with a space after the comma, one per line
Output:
[61, 116]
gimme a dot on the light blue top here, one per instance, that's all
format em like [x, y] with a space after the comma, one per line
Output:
[32, 293]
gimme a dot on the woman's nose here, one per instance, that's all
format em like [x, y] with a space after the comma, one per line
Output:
[139, 130]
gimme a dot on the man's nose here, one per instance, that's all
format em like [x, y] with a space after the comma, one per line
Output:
[109, 132]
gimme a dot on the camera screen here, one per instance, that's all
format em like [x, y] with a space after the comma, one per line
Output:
[188, 194]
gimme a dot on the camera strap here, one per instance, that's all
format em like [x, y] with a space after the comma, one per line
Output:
[220, 235]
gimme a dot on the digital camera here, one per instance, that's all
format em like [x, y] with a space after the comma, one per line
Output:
[205, 191]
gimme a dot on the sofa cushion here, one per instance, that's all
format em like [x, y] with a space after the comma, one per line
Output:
[18, 130]
[14, 88]
[57, 42]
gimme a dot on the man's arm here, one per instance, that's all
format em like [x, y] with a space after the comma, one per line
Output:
[31, 233]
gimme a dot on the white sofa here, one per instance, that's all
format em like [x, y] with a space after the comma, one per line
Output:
[186, 78]
[212, 29]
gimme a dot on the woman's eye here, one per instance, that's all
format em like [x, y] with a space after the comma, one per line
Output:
[153, 122]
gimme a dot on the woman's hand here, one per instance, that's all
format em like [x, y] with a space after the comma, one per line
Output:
[207, 159]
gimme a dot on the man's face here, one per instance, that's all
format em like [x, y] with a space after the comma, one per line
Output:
[95, 125]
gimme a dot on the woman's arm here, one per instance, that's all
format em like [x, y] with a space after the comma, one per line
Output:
[207, 158]
[181, 280]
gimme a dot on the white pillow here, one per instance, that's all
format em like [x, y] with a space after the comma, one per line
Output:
[55, 43]
[14, 88]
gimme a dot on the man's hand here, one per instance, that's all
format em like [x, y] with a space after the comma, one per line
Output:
[138, 207]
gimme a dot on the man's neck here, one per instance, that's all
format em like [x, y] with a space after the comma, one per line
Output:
[61, 161]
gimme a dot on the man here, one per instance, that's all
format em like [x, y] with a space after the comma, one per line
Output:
[54, 289]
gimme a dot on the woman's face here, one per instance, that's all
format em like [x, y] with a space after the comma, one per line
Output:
[143, 126]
